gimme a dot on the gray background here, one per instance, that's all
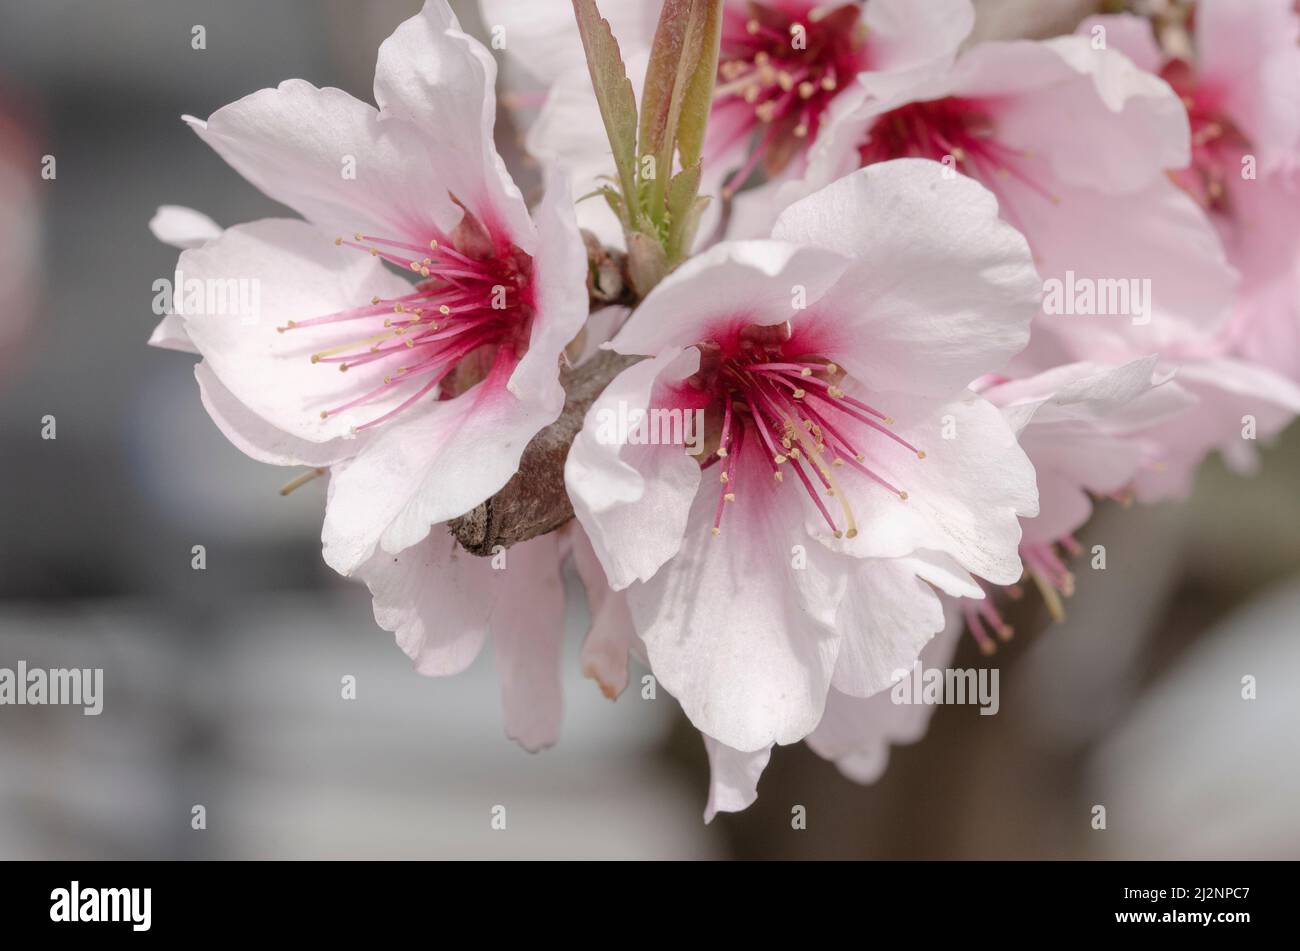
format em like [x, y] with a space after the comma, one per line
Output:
[223, 685]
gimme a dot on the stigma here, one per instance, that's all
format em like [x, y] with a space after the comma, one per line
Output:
[795, 414]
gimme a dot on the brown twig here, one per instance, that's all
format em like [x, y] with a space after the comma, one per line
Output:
[534, 501]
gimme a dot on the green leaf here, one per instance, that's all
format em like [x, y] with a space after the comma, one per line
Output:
[613, 92]
[681, 199]
[661, 76]
[678, 92]
[697, 101]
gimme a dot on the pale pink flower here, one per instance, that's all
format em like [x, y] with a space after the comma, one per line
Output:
[1239, 405]
[784, 64]
[418, 391]
[1241, 88]
[428, 385]
[1090, 430]
[829, 361]
[1076, 144]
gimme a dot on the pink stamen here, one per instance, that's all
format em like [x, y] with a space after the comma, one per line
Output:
[446, 316]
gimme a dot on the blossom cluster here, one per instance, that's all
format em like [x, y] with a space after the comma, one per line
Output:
[912, 305]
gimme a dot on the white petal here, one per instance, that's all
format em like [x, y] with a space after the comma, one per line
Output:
[1228, 390]
[286, 271]
[430, 465]
[541, 36]
[1167, 256]
[560, 293]
[907, 40]
[632, 500]
[733, 777]
[1058, 98]
[965, 497]
[182, 227]
[170, 334]
[568, 134]
[857, 733]
[527, 623]
[260, 440]
[940, 289]
[1077, 424]
[740, 627]
[1130, 34]
[335, 161]
[612, 637]
[714, 295]
[442, 82]
[437, 599]
[887, 616]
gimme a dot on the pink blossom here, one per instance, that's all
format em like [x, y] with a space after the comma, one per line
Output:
[1090, 431]
[1029, 120]
[419, 392]
[428, 386]
[794, 559]
[1241, 88]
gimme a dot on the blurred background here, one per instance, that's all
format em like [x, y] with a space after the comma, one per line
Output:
[223, 685]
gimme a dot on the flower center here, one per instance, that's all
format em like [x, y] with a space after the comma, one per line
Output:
[1217, 145]
[791, 411]
[958, 132]
[781, 64]
[471, 299]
